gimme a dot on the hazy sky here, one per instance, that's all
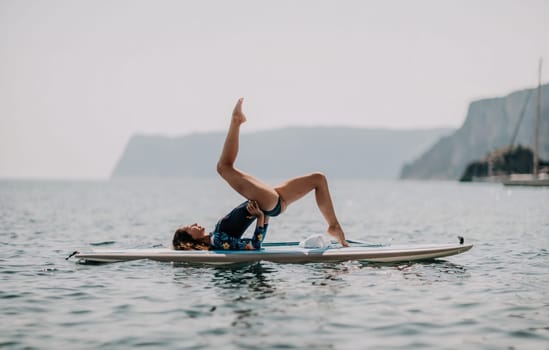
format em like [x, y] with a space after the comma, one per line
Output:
[78, 78]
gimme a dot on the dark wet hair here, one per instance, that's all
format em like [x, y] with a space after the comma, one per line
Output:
[182, 240]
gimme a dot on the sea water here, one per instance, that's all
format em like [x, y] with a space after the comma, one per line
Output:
[495, 296]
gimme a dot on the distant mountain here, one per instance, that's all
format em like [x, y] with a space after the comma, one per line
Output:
[489, 125]
[340, 152]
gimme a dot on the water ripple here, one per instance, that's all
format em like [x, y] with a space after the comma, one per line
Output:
[494, 296]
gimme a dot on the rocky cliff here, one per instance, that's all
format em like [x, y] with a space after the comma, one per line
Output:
[338, 151]
[489, 125]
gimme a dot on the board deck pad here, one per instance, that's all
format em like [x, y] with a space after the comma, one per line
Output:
[284, 252]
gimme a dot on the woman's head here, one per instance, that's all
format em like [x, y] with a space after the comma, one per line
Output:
[192, 237]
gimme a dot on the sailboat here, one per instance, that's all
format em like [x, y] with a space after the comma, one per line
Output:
[539, 177]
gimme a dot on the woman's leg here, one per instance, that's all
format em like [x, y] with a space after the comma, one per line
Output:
[296, 188]
[245, 184]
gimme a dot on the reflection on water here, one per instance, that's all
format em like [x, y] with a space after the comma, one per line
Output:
[249, 297]
[433, 271]
[256, 278]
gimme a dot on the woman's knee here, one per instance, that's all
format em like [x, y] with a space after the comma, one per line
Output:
[224, 168]
[319, 178]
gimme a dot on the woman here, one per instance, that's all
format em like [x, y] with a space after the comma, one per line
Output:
[263, 202]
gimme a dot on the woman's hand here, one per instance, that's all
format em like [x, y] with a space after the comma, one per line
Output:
[253, 209]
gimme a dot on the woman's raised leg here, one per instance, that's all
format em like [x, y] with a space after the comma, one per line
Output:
[296, 188]
[245, 184]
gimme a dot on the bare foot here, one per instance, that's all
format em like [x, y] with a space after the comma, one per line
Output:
[238, 115]
[337, 232]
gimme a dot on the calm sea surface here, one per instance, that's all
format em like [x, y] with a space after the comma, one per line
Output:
[495, 296]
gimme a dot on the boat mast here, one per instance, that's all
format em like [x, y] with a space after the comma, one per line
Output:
[538, 117]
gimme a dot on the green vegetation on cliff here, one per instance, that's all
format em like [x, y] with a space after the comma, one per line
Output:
[489, 125]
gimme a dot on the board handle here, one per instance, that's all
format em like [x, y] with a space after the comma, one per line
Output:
[72, 254]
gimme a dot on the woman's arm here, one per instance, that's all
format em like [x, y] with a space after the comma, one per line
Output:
[261, 226]
[254, 210]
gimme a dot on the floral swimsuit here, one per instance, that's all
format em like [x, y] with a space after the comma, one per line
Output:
[222, 240]
[229, 230]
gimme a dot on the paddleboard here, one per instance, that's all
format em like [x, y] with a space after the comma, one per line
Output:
[284, 252]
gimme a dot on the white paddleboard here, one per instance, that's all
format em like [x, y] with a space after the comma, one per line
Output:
[281, 253]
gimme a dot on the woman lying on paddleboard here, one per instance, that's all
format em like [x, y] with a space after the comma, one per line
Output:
[263, 202]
